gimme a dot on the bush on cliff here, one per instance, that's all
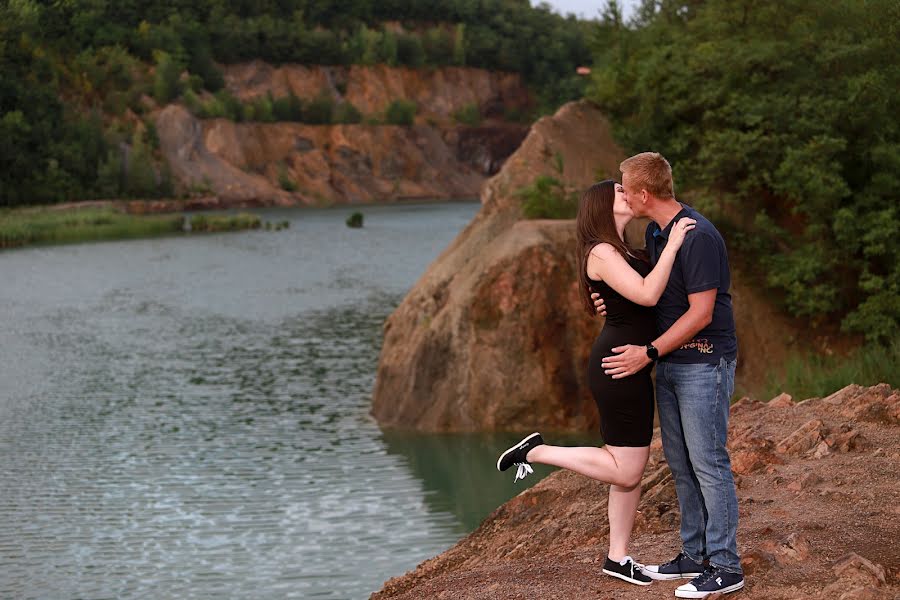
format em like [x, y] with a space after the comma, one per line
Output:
[345, 112]
[400, 112]
[548, 198]
[781, 118]
[468, 115]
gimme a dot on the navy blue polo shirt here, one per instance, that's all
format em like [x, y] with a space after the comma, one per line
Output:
[701, 265]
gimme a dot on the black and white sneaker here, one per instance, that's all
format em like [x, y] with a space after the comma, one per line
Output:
[627, 570]
[516, 456]
[712, 581]
[680, 567]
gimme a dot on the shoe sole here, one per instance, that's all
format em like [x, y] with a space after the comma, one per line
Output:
[668, 577]
[513, 448]
[727, 590]
[628, 579]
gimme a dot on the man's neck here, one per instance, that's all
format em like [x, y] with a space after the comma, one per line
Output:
[664, 211]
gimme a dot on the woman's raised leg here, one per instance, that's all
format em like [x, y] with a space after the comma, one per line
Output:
[618, 465]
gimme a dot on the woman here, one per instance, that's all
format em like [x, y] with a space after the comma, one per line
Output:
[624, 279]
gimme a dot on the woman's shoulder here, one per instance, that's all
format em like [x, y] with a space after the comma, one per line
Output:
[604, 250]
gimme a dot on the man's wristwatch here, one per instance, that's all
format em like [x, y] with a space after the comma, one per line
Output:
[652, 352]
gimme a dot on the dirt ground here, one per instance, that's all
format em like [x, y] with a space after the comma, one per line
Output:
[819, 503]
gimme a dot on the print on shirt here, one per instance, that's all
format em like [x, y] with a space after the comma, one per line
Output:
[703, 346]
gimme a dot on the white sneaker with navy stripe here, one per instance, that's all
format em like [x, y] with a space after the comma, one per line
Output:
[712, 581]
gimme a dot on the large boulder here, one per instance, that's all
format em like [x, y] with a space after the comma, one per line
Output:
[493, 336]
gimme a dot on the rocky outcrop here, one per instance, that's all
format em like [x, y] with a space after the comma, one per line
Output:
[438, 92]
[347, 163]
[493, 336]
[813, 524]
[250, 163]
[194, 165]
[291, 163]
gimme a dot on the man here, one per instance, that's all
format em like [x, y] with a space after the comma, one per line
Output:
[697, 354]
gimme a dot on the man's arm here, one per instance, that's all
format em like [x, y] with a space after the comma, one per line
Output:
[630, 359]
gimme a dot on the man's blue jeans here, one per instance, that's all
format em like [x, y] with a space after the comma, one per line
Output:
[694, 401]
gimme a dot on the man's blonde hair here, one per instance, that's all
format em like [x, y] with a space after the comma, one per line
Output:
[650, 171]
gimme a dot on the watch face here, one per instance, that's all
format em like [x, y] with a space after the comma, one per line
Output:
[652, 353]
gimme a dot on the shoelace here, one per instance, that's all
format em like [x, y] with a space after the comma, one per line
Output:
[524, 469]
[707, 574]
[635, 566]
[675, 561]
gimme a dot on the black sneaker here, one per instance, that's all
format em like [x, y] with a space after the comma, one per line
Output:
[627, 570]
[712, 581]
[680, 567]
[516, 456]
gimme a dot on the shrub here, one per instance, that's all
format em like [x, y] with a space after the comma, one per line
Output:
[355, 220]
[547, 198]
[347, 113]
[468, 115]
[320, 111]
[400, 112]
[284, 180]
[288, 108]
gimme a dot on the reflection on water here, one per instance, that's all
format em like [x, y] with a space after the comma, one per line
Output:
[188, 418]
[459, 471]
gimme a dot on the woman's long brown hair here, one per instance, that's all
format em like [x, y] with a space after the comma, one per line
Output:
[595, 224]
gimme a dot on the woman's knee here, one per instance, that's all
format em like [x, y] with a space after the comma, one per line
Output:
[631, 463]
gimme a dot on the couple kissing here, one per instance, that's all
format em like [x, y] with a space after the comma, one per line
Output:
[669, 306]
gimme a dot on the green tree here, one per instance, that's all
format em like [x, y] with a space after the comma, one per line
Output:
[166, 84]
[780, 118]
[409, 51]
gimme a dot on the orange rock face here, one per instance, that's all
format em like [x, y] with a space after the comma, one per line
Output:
[438, 92]
[292, 163]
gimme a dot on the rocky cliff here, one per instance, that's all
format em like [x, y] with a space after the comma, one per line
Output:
[493, 335]
[292, 163]
[437, 92]
[819, 515]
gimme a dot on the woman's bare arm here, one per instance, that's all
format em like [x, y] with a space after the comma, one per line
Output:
[605, 263]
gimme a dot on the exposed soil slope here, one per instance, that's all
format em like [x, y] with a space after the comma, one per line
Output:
[819, 515]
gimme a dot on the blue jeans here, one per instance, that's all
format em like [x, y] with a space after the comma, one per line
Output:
[694, 401]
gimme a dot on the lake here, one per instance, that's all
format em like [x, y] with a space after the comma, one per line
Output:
[188, 417]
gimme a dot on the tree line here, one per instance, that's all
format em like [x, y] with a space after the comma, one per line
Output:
[70, 70]
[780, 120]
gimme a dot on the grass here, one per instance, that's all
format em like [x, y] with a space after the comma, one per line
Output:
[40, 226]
[37, 226]
[214, 223]
[810, 376]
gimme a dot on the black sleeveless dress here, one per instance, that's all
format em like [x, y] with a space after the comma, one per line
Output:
[626, 405]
